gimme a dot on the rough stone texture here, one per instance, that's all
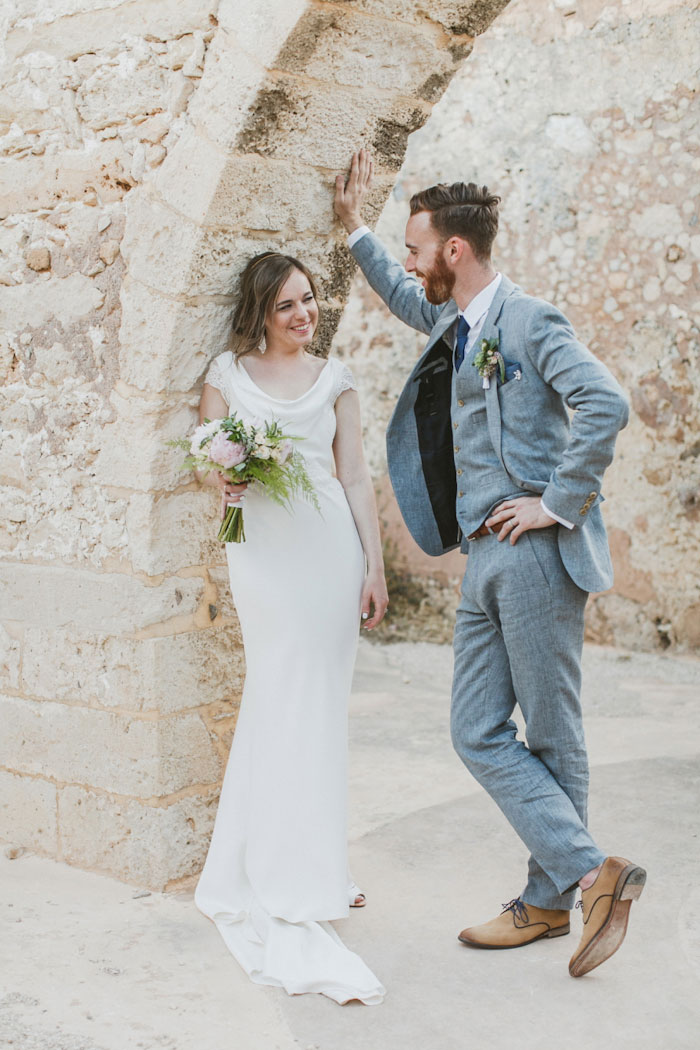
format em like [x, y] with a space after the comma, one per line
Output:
[584, 117]
[146, 150]
[28, 807]
[167, 674]
[139, 842]
[138, 757]
[117, 602]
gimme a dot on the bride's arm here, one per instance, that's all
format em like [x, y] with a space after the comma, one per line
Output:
[213, 406]
[353, 475]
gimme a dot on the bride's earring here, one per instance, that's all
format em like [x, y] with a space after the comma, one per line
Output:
[262, 345]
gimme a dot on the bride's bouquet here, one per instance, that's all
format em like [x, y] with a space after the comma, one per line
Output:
[258, 452]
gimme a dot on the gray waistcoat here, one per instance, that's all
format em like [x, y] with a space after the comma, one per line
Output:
[481, 480]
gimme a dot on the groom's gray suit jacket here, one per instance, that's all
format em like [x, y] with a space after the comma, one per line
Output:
[541, 449]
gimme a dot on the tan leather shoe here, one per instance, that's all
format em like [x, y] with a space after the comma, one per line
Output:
[518, 924]
[606, 906]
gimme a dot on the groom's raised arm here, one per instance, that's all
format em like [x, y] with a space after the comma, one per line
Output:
[402, 293]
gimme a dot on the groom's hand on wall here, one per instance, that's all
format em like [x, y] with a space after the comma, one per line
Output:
[350, 193]
[515, 516]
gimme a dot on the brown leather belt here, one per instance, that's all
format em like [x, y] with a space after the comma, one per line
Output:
[481, 531]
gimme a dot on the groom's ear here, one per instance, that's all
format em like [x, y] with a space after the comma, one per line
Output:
[456, 250]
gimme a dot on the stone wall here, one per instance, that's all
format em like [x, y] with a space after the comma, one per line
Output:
[148, 148]
[584, 116]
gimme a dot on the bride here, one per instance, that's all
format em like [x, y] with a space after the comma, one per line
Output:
[277, 873]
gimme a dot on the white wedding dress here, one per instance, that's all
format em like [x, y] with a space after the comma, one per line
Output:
[277, 868]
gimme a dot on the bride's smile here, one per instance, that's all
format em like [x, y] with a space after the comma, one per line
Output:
[294, 316]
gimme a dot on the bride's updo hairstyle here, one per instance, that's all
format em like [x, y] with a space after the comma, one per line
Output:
[258, 288]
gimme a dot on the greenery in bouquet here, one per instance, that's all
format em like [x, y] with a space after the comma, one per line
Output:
[248, 452]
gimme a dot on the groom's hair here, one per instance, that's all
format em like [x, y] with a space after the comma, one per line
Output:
[464, 210]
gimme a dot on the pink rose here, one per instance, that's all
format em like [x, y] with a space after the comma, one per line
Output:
[226, 453]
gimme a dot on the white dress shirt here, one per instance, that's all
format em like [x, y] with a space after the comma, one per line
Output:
[474, 314]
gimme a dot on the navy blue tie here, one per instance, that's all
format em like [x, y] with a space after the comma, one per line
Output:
[462, 336]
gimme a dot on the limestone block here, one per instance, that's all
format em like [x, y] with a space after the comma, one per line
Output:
[33, 182]
[167, 533]
[106, 750]
[11, 466]
[188, 178]
[146, 845]
[165, 674]
[226, 91]
[38, 259]
[57, 363]
[165, 346]
[135, 451]
[85, 32]
[345, 48]
[224, 599]
[460, 17]
[258, 27]
[658, 220]
[158, 245]
[221, 255]
[186, 752]
[10, 656]
[264, 194]
[133, 85]
[109, 250]
[324, 125]
[12, 504]
[28, 812]
[60, 300]
[180, 50]
[53, 596]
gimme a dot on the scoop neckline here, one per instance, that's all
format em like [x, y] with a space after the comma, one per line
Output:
[282, 400]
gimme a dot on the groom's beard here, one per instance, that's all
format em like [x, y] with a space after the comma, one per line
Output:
[439, 282]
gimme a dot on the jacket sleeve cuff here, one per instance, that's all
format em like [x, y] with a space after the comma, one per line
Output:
[551, 514]
[356, 235]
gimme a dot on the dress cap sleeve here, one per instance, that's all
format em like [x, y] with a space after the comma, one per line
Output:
[343, 379]
[216, 374]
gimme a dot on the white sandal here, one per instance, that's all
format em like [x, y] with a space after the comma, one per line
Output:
[357, 898]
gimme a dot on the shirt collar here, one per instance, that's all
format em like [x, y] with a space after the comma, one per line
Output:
[480, 304]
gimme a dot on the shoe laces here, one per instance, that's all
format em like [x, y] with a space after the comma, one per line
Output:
[518, 908]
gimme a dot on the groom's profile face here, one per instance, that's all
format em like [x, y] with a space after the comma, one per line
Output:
[426, 259]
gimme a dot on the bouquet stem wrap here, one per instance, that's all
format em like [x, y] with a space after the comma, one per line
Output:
[232, 530]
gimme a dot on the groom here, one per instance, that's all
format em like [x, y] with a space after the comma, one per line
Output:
[483, 453]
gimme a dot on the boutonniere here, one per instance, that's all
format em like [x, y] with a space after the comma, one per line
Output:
[488, 360]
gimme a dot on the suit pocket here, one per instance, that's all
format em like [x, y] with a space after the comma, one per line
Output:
[510, 389]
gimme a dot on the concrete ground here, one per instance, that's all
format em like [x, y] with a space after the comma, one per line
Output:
[91, 964]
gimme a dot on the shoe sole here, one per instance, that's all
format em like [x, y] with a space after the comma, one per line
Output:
[558, 931]
[610, 936]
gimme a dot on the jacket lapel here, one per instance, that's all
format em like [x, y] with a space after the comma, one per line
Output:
[490, 331]
[446, 319]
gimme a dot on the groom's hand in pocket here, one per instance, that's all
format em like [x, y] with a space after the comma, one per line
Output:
[513, 517]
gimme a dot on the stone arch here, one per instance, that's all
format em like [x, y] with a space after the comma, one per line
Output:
[118, 739]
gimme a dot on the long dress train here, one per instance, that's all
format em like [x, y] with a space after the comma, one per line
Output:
[277, 871]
